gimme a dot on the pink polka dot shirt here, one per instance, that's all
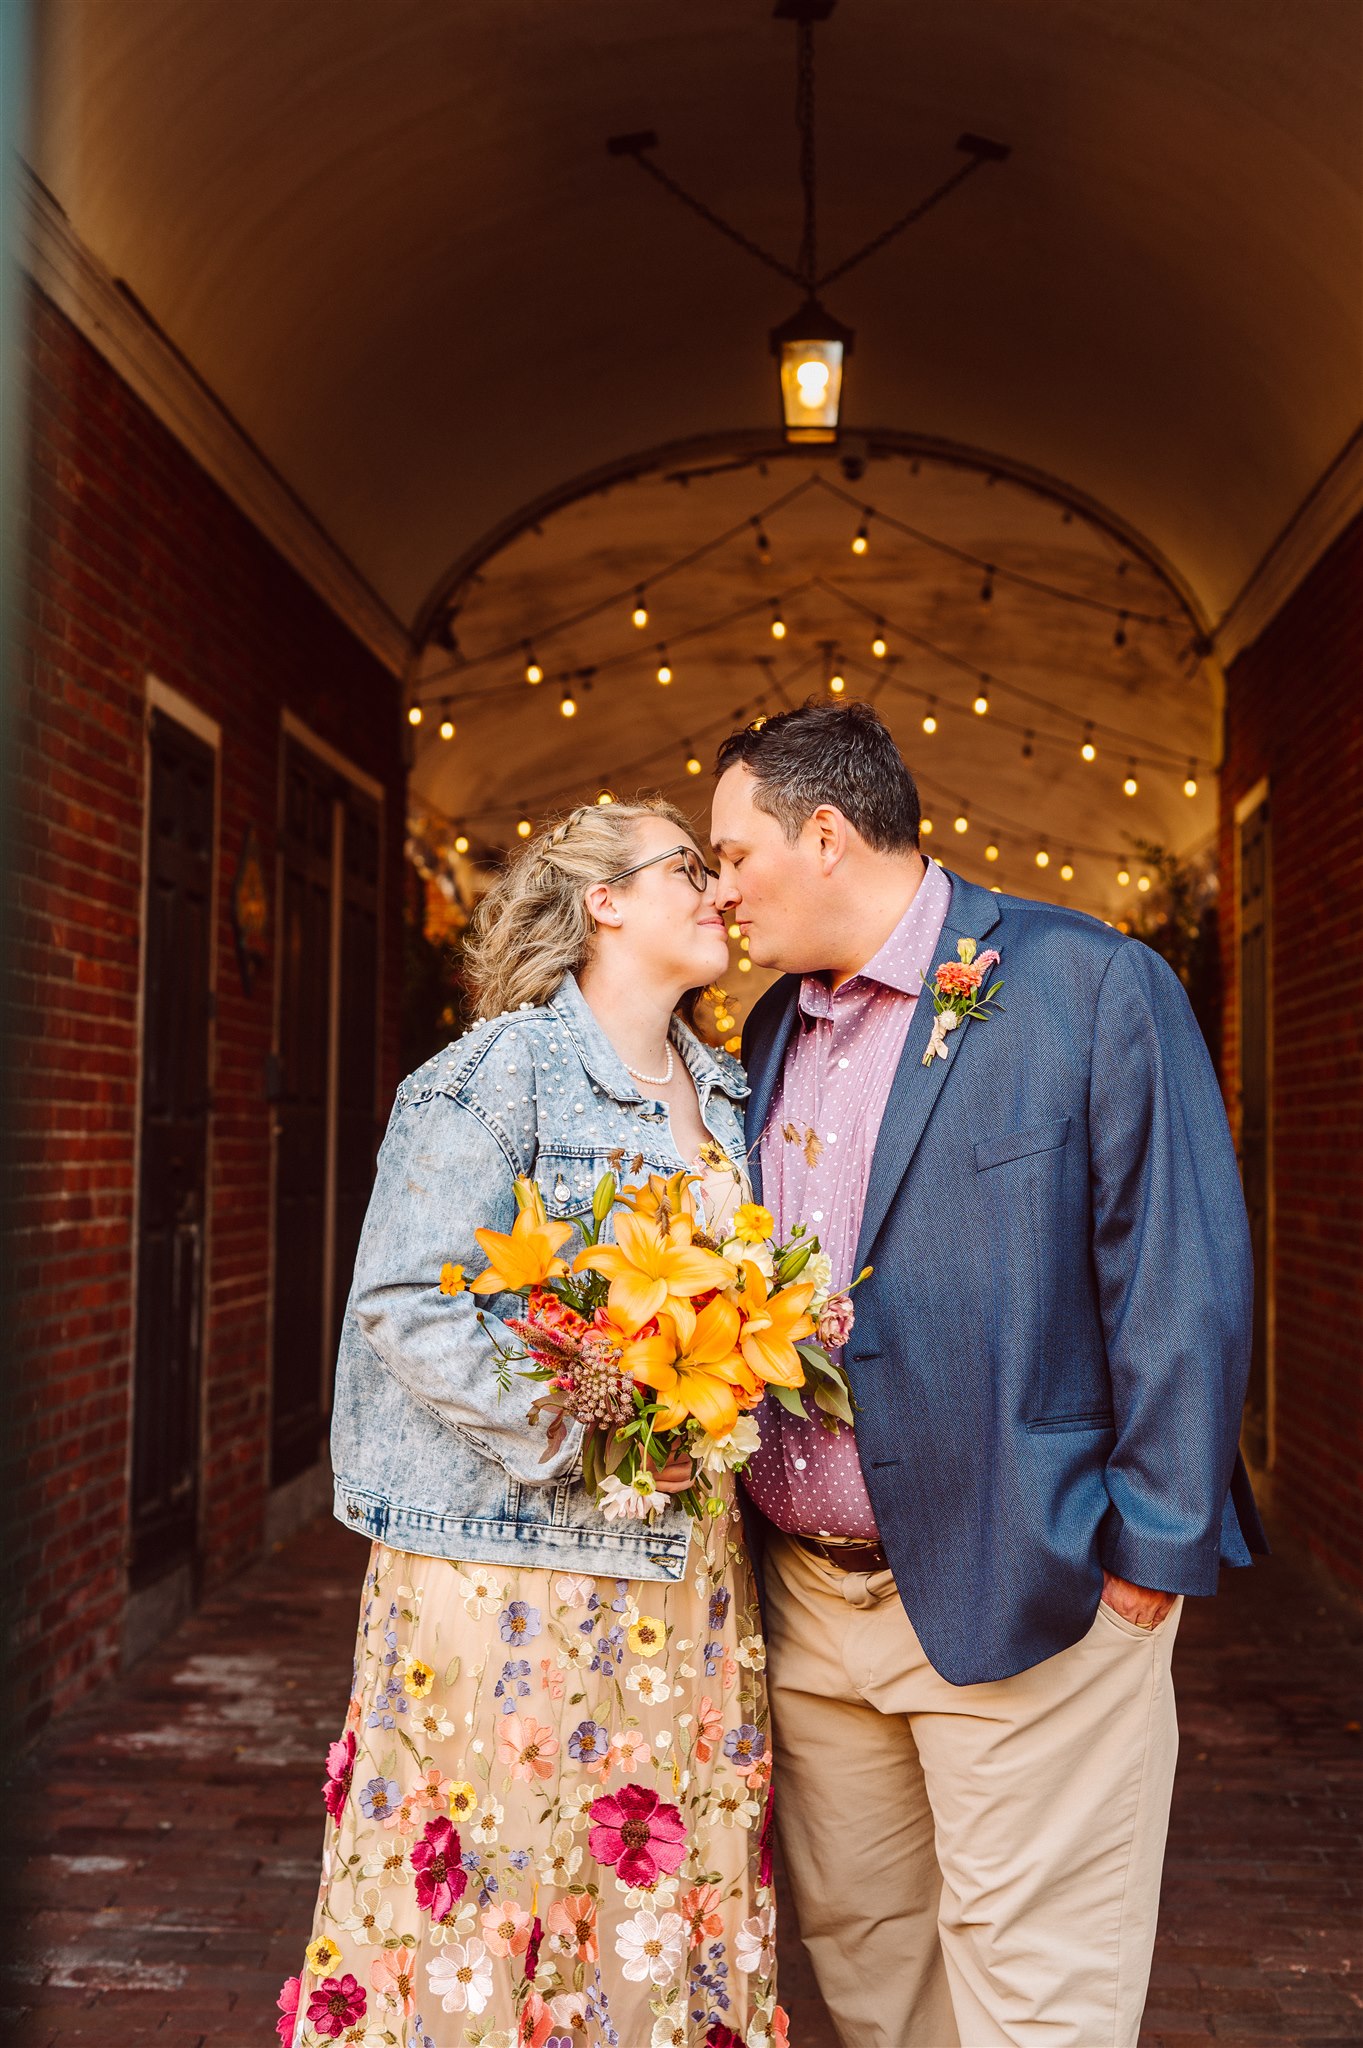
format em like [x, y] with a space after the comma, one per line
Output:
[839, 1068]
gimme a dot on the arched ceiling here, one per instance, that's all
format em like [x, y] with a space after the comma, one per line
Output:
[388, 236]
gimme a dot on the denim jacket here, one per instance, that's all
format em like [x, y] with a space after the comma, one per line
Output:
[427, 1456]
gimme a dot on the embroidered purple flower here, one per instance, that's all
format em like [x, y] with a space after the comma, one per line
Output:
[379, 1798]
[441, 1880]
[514, 1682]
[338, 2003]
[519, 1622]
[589, 1742]
[340, 1770]
[712, 1654]
[719, 1606]
[743, 1746]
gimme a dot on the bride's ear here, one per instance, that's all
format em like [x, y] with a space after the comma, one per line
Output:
[601, 905]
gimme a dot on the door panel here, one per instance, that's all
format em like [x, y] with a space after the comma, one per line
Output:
[173, 1149]
[1255, 939]
[357, 1049]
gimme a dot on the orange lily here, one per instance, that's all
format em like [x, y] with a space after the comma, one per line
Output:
[647, 1199]
[639, 1355]
[707, 1377]
[524, 1256]
[772, 1323]
[648, 1268]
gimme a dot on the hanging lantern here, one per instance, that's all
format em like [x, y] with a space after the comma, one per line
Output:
[811, 348]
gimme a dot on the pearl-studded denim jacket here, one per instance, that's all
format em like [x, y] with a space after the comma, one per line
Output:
[427, 1457]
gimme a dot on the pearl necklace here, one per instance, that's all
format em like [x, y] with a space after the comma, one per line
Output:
[654, 1080]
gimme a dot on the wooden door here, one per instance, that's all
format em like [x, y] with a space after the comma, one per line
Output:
[173, 1155]
[357, 1135]
[1255, 1079]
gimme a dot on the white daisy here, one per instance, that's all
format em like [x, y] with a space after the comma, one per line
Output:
[481, 1593]
[732, 1807]
[387, 1861]
[651, 1685]
[668, 2032]
[485, 1827]
[371, 1918]
[755, 1944]
[461, 1978]
[752, 1653]
[562, 1860]
[652, 1946]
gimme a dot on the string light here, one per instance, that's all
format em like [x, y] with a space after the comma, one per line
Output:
[692, 760]
[880, 646]
[837, 683]
[1043, 859]
[1067, 873]
[930, 716]
[414, 714]
[1143, 883]
[447, 727]
[861, 539]
[1027, 748]
[735, 931]
[778, 625]
[533, 672]
[981, 702]
[925, 827]
[664, 667]
[991, 851]
[1190, 786]
[640, 613]
[568, 705]
[763, 544]
[1088, 751]
[1131, 785]
[524, 828]
[605, 796]
[962, 824]
[745, 965]
[1123, 877]
[1119, 637]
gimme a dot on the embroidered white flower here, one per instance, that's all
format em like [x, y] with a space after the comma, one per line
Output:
[573, 1589]
[755, 1944]
[652, 1946]
[569, 2009]
[577, 1806]
[652, 1685]
[485, 1827]
[461, 1978]
[575, 1654]
[387, 1861]
[752, 1653]
[434, 1723]
[371, 1919]
[668, 2032]
[562, 1860]
[480, 1592]
[733, 1808]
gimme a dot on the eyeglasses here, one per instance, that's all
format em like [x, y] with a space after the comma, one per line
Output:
[693, 867]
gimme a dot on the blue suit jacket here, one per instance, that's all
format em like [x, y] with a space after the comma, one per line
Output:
[1050, 1357]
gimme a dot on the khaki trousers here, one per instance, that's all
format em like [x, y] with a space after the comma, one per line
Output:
[971, 1865]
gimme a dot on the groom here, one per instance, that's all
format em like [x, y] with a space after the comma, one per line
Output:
[971, 1602]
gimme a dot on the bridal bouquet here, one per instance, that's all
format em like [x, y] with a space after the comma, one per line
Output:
[660, 1342]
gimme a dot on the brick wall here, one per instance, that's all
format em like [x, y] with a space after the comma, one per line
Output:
[1295, 714]
[138, 563]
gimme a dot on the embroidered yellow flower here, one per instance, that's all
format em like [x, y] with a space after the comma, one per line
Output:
[463, 1799]
[418, 1679]
[753, 1223]
[647, 1636]
[452, 1279]
[323, 1956]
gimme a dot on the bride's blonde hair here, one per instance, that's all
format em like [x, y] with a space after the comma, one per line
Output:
[533, 926]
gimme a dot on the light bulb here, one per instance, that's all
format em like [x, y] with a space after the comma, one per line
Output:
[1131, 785]
[1043, 859]
[533, 672]
[745, 945]
[1143, 883]
[745, 965]
[1190, 786]
[735, 931]
[925, 828]
[640, 613]
[962, 823]
[664, 672]
[880, 647]
[837, 684]
[524, 828]
[981, 704]
[568, 705]
[461, 844]
[447, 728]
[414, 715]
[1088, 751]
[605, 797]
[991, 851]
[811, 378]
[692, 765]
[1123, 877]
[861, 540]
[929, 723]
[778, 627]
[1067, 873]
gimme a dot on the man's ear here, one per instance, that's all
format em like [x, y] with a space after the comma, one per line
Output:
[831, 828]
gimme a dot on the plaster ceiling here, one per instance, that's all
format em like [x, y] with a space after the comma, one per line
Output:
[387, 234]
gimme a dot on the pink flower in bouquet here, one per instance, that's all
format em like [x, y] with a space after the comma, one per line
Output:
[636, 1835]
[836, 1318]
[340, 1770]
[441, 1879]
[289, 1994]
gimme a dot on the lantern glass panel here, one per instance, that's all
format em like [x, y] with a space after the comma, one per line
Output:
[811, 389]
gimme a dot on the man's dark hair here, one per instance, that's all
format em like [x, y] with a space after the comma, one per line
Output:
[839, 754]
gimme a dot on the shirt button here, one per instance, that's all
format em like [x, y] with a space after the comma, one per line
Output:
[842, 1063]
[799, 1464]
[817, 1216]
[832, 1137]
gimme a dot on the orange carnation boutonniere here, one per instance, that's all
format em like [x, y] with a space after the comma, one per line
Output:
[958, 994]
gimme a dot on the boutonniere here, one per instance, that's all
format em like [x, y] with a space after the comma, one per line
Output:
[955, 989]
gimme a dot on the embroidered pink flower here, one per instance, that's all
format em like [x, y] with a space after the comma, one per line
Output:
[441, 1879]
[338, 2003]
[532, 1948]
[709, 1728]
[780, 2027]
[392, 1976]
[553, 1681]
[700, 1911]
[340, 1771]
[528, 1746]
[535, 2024]
[431, 1789]
[721, 2036]
[636, 1835]
[289, 1994]
[629, 1750]
[574, 1917]
[506, 1929]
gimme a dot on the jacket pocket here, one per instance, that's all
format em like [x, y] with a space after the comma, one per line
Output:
[1020, 1144]
[1047, 1425]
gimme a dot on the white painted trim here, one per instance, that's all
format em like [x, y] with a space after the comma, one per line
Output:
[1249, 803]
[291, 724]
[112, 322]
[333, 1110]
[161, 697]
[1333, 501]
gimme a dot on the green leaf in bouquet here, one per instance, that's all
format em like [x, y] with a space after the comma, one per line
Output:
[817, 1360]
[618, 1450]
[831, 1396]
[790, 1399]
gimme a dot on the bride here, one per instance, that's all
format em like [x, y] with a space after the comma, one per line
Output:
[547, 1811]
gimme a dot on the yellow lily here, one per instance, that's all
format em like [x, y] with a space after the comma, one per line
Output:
[648, 1268]
[524, 1256]
[648, 1198]
[707, 1377]
[639, 1356]
[772, 1323]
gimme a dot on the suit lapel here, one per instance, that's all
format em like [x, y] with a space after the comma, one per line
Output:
[764, 1072]
[915, 1090]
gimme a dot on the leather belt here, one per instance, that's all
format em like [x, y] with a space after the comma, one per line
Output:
[847, 1557]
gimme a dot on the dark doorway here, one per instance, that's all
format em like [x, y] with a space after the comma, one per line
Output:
[176, 1012]
[325, 1085]
[1255, 943]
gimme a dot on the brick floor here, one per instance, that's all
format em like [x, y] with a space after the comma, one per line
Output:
[169, 1832]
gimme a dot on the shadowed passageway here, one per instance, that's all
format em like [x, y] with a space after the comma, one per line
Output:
[172, 1831]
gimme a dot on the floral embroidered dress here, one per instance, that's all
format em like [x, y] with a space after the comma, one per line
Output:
[547, 1815]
